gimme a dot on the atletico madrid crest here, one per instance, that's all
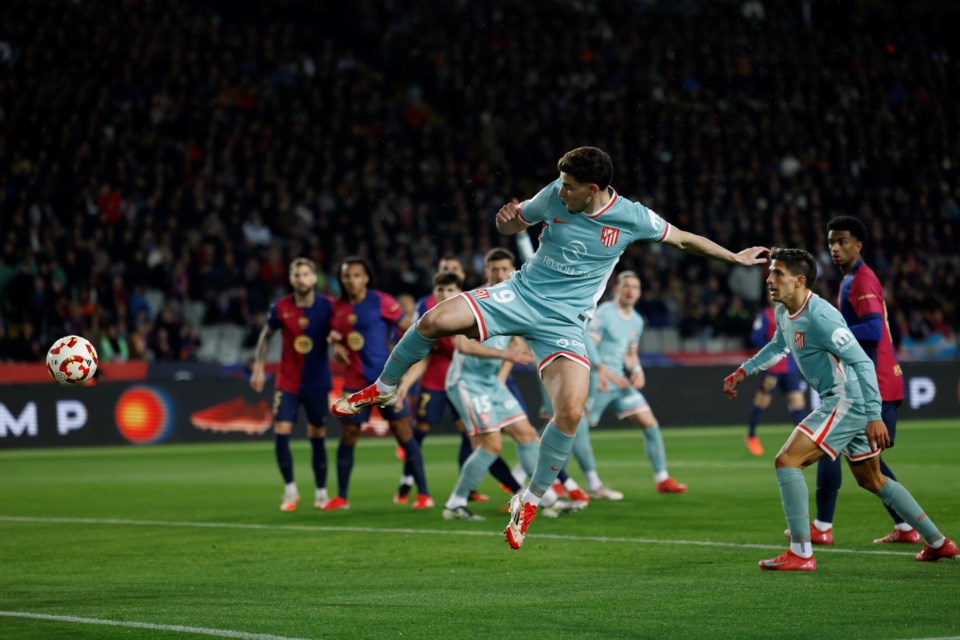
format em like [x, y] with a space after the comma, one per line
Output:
[609, 236]
[798, 339]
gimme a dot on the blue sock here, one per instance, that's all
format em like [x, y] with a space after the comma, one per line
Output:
[653, 440]
[319, 460]
[473, 471]
[418, 435]
[885, 470]
[895, 496]
[562, 476]
[829, 479]
[555, 447]
[412, 348]
[582, 448]
[798, 415]
[415, 458]
[466, 448]
[281, 447]
[344, 468]
[795, 499]
[755, 414]
[501, 471]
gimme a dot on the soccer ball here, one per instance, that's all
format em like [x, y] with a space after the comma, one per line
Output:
[72, 360]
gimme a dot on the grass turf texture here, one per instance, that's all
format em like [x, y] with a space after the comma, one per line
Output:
[191, 535]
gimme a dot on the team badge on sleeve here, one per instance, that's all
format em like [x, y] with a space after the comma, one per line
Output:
[798, 339]
[609, 236]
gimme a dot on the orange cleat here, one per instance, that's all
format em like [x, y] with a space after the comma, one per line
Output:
[337, 504]
[423, 502]
[911, 536]
[754, 446]
[559, 489]
[478, 497]
[947, 550]
[789, 561]
[521, 515]
[355, 403]
[290, 502]
[671, 486]
[578, 495]
[402, 496]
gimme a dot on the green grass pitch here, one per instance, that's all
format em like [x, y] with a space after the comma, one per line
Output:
[188, 541]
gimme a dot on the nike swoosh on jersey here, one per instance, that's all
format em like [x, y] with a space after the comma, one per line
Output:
[556, 221]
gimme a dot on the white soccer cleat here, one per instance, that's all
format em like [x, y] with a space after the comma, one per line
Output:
[603, 492]
[461, 513]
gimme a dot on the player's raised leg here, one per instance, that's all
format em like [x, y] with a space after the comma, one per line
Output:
[451, 317]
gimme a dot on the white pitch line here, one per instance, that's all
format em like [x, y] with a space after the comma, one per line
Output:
[433, 532]
[221, 633]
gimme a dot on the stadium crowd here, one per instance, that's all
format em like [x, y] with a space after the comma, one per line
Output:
[156, 155]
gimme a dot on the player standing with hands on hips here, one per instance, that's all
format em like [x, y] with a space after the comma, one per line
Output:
[847, 422]
[587, 226]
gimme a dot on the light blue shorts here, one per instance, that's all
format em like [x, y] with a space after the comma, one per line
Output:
[626, 402]
[503, 309]
[484, 406]
[838, 426]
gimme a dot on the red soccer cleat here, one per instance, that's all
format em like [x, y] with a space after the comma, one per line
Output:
[789, 561]
[559, 489]
[355, 403]
[507, 490]
[929, 554]
[911, 536]
[423, 502]
[817, 537]
[754, 446]
[521, 515]
[578, 495]
[478, 497]
[337, 504]
[402, 496]
[671, 486]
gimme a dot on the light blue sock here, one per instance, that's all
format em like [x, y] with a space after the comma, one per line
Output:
[473, 472]
[895, 496]
[527, 453]
[653, 441]
[555, 447]
[796, 507]
[412, 348]
[582, 448]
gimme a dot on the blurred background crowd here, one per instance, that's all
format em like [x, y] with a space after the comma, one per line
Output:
[161, 162]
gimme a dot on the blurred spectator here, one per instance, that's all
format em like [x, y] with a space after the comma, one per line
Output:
[25, 346]
[113, 345]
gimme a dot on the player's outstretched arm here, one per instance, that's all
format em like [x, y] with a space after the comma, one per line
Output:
[699, 246]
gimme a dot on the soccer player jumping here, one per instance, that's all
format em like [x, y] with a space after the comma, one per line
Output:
[587, 226]
[848, 421]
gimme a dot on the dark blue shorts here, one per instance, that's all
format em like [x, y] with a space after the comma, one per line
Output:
[286, 405]
[786, 382]
[431, 406]
[394, 412]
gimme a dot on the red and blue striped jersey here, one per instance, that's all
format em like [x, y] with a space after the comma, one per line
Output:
[304, 360]
[366, 327]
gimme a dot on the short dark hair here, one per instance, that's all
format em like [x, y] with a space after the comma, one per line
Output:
[445, 278]
[371, 284]
[848, 223]
[499, 253]
[588, 165]
[798, 261]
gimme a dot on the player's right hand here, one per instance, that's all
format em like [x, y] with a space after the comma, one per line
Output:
[257, 378]
[731, 381]
[508, 212]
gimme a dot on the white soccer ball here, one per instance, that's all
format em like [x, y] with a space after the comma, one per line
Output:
[72, 360]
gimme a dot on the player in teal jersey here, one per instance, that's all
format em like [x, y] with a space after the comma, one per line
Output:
[615, 331]
[587, 226]
[848, 421]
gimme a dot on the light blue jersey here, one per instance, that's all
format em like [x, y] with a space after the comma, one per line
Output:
[475, 368]
[828, 355]
[614, 334]
[578, 252]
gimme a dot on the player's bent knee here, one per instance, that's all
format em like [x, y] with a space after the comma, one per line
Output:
[315, 432]
[282, 428]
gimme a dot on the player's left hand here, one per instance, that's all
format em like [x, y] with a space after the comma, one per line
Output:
[877, 435]
[752, 256]
[731, 381]
[638, 380]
